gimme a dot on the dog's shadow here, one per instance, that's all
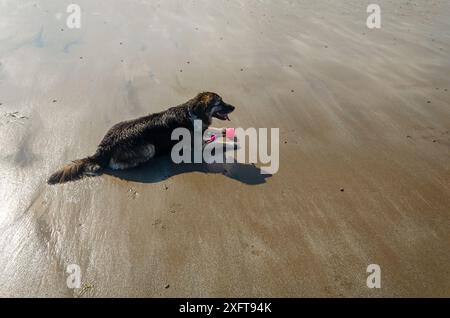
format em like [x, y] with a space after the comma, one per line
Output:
[163, 168]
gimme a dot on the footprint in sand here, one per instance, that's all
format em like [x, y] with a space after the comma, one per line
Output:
[132, 193]
[174, 208]
[14, 117]
[159, 224]
[253, 250]
[430, 134]
[85, 289]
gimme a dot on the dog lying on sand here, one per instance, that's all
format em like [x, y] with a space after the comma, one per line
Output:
[133, 142]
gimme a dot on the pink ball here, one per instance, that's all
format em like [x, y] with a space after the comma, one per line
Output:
[230, 133]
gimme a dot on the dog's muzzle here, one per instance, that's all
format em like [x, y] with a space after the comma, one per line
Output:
[223, 111]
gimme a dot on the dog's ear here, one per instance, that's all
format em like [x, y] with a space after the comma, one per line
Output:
[202, 101]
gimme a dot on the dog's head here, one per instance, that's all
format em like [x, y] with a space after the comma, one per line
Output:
[208, 105]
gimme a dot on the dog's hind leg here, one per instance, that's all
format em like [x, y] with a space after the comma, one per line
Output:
[131, 156]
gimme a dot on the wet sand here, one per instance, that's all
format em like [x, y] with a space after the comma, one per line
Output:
[364, 118]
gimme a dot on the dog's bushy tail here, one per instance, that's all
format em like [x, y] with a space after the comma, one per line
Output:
[75, 170]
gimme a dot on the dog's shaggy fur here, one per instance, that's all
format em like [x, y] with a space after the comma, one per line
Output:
[130, 143]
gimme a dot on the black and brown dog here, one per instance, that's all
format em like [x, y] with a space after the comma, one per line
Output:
[133, 142]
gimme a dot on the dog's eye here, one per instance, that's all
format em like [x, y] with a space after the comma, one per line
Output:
[217, 103]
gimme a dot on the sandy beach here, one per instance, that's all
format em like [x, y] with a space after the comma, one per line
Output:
[364, 177]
